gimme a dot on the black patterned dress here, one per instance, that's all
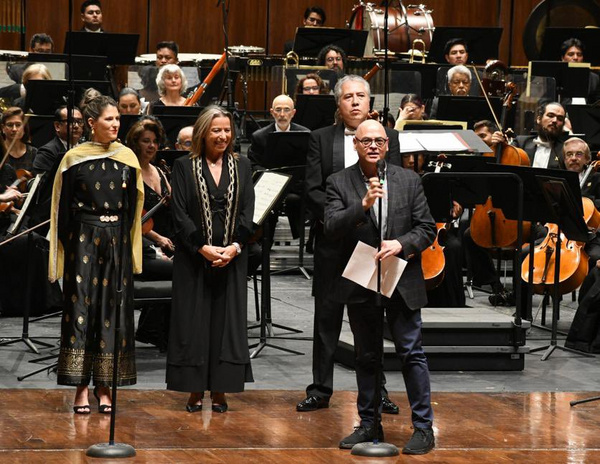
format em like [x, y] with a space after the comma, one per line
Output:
[93, 209]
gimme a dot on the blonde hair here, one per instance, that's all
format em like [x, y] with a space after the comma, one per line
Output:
[202, 126]
[34, 69]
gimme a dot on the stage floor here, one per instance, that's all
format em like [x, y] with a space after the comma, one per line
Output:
[263, 427]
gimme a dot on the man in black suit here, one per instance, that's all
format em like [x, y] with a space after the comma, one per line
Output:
[572, 51]
[282, 110]
[406, 229]
[49, 157]
[330, 150]
[545, 149]
[577, 157]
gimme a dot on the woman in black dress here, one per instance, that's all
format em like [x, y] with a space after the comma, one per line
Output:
[89, 208]
[16, 137]
[213, 204]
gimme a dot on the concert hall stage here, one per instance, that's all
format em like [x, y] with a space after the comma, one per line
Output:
[262, 427]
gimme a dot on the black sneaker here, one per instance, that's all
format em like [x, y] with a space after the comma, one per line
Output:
[502, 298]
[360, 435]
[421, 442]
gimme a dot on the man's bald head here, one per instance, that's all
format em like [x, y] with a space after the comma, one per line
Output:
[368, 125]
[283, 111]
[184, 138]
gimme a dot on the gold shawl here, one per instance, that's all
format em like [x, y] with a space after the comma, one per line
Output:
[85, 152]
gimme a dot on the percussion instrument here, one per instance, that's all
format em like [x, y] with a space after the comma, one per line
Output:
[185, 59]
[405, 25]
[245, 50]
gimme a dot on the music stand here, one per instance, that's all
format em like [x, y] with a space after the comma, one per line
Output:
[117, 48]
[550, 195]
[572, 79]
[44, 96]
[315, 111]
[483, 42]
[264, 217]
[174, 118]
[84, 67]
[427, 75]
[555, 36]
[585, 119]
[310, 40]
[286, 153]
[469, 109]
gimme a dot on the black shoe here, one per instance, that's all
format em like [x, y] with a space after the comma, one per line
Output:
[502, 298]
[193, 407]
[312, 403]
[388, 406]
[421, 442]
[360, 435]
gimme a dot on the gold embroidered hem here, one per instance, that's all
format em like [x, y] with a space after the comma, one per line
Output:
[76, 367]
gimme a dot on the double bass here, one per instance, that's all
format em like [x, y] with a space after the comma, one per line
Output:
[489, 226]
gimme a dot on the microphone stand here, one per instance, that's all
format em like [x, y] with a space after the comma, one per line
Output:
[112, 449]
[377, 448]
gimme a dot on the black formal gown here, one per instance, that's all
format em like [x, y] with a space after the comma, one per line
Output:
[208, 346]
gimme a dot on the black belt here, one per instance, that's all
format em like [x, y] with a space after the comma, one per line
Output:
[99, 219]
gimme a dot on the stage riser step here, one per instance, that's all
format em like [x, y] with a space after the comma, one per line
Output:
[464, 337]
[446, 361]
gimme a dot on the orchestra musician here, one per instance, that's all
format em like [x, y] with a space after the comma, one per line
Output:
[572, 51]
[314, 16]
[171, 82]
[89, 209]
[334, 58]
[129, 101]
[184, 138]
[91, 16]
[311, 84]
[412, 108]
[545, 148]
[351, 216]
[16, 138]
[330, 150]
[456, 51]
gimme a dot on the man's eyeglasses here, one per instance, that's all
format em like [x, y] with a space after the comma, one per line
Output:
[367, 142]
[577, 154]
[74, 122]
[331, 59]
[186, 144]
[282, 110]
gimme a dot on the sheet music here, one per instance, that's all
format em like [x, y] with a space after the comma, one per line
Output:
[267, 191]
[362, 269]
[411, 142]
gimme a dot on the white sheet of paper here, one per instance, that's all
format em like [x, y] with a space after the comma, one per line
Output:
[445, 141]
[362, 269]
[409, 142]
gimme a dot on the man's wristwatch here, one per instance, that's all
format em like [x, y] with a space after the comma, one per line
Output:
[238, 248]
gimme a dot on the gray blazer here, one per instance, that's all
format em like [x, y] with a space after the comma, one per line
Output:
[408, 221]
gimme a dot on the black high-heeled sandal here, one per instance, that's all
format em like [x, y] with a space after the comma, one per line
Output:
[85, 409]
[102, 408]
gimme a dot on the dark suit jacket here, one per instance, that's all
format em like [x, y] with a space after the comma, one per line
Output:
[46, 161]
[556, 158]
[325, 157]
[408, 221]
[258, 145]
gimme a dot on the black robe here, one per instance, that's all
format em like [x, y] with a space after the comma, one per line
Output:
[192, 341]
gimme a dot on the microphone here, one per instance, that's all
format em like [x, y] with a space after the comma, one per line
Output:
[124, 177]
[381, 171]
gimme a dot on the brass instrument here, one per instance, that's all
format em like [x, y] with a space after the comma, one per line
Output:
[292, 61]
[422, 52]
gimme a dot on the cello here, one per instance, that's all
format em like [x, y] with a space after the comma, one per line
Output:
[489, 226]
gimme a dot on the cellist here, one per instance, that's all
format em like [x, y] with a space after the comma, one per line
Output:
[577, 157]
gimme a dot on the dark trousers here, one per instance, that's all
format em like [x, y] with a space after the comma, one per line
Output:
[326, 333]
[405, 326]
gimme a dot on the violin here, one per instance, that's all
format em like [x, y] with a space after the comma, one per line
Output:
[489, 226]
[147, 221]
